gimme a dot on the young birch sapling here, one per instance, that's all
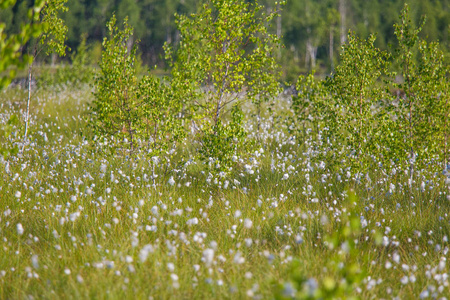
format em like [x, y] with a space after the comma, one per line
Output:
[52, 36]
[11, 59]
[226, 56]
[141, 113]
[422, 110]
[357, 93]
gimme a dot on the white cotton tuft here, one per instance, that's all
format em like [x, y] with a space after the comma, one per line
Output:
[20, 229]
[208, 256]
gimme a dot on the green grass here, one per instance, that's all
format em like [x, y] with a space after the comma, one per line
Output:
[96, 254]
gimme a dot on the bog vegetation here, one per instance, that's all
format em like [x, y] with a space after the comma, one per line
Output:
[212, 182]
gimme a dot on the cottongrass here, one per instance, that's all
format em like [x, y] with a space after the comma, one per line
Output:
[78, 220]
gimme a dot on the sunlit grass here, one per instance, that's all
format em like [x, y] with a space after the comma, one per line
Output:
[98, 225]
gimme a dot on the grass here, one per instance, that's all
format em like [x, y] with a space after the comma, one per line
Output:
[97, 225]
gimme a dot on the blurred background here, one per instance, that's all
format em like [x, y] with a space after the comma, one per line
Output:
[312, 31]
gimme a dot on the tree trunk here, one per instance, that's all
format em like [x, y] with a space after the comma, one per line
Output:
[342, 12]
[27, 115]
[54, 57]
[279, 28]
[279, 21]
[330, 51]
[30, 77]
[130, 44]
[168, 33]
[311, 54]
[445, 136]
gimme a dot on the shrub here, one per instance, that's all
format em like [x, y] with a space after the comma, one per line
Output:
[422, 129]
[225, 57]
[357, 95]
[139, 113]
[222, 141]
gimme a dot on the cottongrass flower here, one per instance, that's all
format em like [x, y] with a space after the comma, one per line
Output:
[35, 261]
[145, 251]
[19, 228]
[238, 258]
[208, 256]
[171, 267]
[248, 223]
[175, 283]
[388, 265]
[196, 268]
[193, 221]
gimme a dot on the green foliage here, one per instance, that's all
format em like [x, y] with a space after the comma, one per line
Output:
[435, 90]
[55, 31]
[307, 24]
[11, 45]
[314, 24]
[422, 108]
[222, 141]
[75, 75]
[349, 105]
[312, 104]
[11, 58]
[358, 106]
[137, 112]
[81, 63]
[344, 270]
[225, 57]
[52, 36]
[357, 93]
[5, 133]
[160, 122]
[116, 107]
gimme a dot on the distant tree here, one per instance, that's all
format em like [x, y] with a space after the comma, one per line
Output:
[312, 31]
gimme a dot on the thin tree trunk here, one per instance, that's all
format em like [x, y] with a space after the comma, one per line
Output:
[130, 44]
[411, 153]
[445, 136]
[54, 57]
[342, 12]
[311, 54]
[307, 57]
[27, 115]
[279, 27]
[30, 77]
[330, 53]
[168, 33]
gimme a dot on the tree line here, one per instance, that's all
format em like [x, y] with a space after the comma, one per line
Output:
[312, 31]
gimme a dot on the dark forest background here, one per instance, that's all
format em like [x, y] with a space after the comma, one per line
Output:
[312, 30]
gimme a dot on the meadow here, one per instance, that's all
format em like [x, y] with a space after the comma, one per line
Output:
[212, 183]
[80, 222]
